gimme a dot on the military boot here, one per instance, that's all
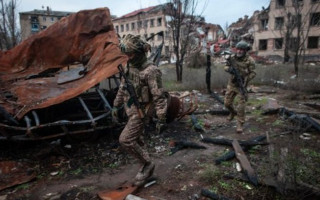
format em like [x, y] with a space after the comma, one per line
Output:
[231, 116]
[145, 172]
[239, 127]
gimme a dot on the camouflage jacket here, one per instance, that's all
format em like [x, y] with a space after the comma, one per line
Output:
[147, 83]
[245, 66]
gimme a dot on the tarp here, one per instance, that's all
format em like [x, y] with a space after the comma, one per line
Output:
[86, 37]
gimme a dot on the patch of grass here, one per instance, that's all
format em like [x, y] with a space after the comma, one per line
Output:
[210, 175]
[226, 164]
[225, 185]
[87, 188]
[277, 122]
[24, 186]
[310, 153]
[76, 172]
[113, 165]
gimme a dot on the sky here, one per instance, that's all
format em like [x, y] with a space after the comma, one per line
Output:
[215, 11]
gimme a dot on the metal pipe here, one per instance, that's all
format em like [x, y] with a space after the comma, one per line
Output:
[104, 99]
[28, 123]
[36, 118]
[24, 138]
[57, 123]
[87, 111]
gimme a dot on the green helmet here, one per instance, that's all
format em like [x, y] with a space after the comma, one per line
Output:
[243, 45]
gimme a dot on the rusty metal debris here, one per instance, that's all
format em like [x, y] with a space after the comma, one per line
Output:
[45, 79]
[14, 173]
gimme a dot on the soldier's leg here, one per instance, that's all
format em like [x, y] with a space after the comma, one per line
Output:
[228, 102]
[131, 140]
[241, 113]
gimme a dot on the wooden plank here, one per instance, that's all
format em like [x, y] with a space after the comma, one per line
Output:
[241, 156]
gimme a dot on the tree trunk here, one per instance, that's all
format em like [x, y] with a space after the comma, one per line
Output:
[208, 73]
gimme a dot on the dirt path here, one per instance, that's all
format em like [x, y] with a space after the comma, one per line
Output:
[87, 168]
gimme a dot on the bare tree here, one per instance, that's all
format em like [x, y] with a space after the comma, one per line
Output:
[9, 32]
[296, 31]
[182, 25]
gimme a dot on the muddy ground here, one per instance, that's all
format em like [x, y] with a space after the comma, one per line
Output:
[73, 169]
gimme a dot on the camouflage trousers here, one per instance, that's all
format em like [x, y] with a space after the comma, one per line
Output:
[230, 95]
[131, 138]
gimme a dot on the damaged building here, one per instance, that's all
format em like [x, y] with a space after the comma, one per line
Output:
[276, 28]
[32, 22]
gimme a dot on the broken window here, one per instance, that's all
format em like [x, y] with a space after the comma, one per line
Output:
[264, 24]
[263, 44]
[117, 29]
[139, 24]
[166, 50]
[122, 27]
[166, 34]
[52, 19]
[313, 42]
[315, 19]
[145, 24]
[278, 23]
[280, 3]
[295, 20]
[44, 19]
[34, 27]
[278, 42]
[127, 27]
[159, 21]
[133, 26]
[293, 44]
[151, 22]
[297, 2]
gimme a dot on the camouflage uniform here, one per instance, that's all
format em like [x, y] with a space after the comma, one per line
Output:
[147, 82]
[245, 65]
[148, 86]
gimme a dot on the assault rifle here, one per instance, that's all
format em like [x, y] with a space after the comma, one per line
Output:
[156, 55]
[129, 87]
[239, 80]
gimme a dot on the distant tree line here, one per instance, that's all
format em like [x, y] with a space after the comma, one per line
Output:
[9, 32]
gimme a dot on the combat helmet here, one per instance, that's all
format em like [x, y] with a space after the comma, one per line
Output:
[133, 44]
[243, 45]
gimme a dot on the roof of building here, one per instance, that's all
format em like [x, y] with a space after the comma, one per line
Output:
[136, 12]
[47, 12]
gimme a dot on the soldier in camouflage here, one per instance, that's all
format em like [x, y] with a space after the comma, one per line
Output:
[245, 65]
[146, 78]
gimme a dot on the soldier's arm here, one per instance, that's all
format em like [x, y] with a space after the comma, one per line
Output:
[118, 101]
[251, 68]
[155, 85]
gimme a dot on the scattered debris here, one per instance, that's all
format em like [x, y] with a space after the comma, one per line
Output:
[212, 195]
[178, 145]
[248, 170]
[15, 173]
[195, 124]
[231, 154]
[303, 121]
[119, 193]
[225, 141]
[133, 197]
